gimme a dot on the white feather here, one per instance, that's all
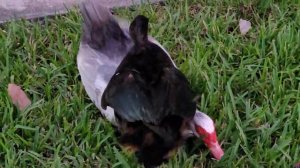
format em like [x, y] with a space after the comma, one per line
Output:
[93, 72]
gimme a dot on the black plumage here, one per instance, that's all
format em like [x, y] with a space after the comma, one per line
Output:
[151, 98]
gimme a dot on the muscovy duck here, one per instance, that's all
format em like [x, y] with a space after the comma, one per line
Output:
[135, 84]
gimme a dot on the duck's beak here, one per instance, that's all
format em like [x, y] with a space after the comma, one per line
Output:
[204, 127]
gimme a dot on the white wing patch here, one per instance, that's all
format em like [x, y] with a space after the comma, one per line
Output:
[109, 114]
[88, 62]
[100, 83]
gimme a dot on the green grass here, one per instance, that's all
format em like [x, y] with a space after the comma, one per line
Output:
[249, 84]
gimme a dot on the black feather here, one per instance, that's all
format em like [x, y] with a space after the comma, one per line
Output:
[148, 91]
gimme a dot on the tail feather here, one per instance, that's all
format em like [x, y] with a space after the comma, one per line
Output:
[94, 13]
[100, 29]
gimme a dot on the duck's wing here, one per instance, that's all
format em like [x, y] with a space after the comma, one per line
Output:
[104, 43]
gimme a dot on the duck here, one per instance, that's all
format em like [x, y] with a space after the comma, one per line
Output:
[133, 81]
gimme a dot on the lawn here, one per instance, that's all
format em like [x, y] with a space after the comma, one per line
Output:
[249, 84]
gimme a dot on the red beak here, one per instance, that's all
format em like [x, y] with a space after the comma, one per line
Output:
[205, 128]
[210, 140]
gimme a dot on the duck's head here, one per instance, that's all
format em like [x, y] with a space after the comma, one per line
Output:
[203, 126]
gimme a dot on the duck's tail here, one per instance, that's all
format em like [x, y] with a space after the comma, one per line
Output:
[100, 27]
